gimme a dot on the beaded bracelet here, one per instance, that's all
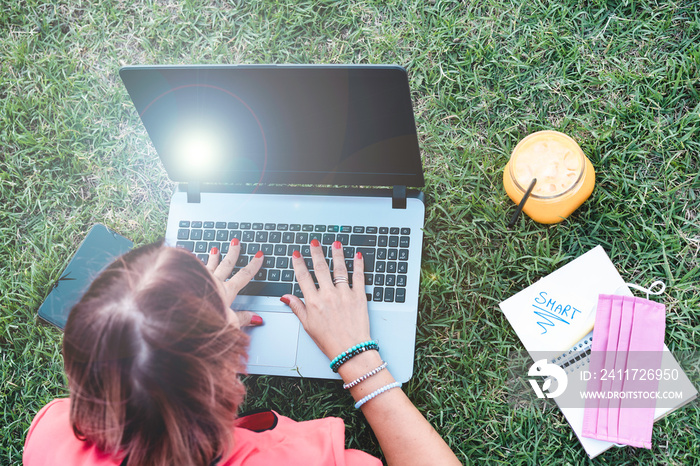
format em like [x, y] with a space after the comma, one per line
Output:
[343, 357]
[364, 377]
[376, 392]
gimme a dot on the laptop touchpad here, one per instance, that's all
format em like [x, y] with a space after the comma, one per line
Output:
[275, 342]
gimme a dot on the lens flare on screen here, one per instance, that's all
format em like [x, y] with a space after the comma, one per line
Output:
[199, 151]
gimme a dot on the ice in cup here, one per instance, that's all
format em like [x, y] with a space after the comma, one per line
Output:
[565, 176]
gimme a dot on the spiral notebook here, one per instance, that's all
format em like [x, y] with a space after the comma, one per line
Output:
[555, 317]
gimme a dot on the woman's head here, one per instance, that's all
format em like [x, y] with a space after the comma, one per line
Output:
[152, 358]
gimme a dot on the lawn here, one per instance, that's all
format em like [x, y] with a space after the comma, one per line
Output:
[620, 77]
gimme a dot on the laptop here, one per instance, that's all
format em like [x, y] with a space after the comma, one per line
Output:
[277, 155]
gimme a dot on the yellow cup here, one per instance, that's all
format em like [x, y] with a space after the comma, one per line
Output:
[565, 176]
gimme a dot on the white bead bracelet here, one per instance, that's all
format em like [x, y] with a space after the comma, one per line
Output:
[377, 392]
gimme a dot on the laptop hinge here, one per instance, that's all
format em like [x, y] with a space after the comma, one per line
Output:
[398, 199]
[194, 190]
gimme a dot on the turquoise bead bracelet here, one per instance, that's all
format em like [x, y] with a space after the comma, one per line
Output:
[353, 351]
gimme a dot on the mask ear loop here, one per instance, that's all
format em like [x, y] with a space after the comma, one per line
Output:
[650, 290]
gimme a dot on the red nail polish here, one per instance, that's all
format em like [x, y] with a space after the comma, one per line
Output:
[296, 254]
[337, 245]
[315, 243]
[258, 254]
[214, 251]
[235, 242]
[285, 300]
[256, 320]
[358, 255]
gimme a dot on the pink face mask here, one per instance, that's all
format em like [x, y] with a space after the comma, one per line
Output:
[628, 339]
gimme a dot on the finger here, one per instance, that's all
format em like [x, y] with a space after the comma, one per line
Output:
[246, 274]
[339, 269]
[296, 305]
[249, 319]
[213, 260]
[321, 270]
[304, 279]
[223, 271]
[358, 275]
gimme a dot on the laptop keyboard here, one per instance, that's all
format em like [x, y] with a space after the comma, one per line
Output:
[384, 250]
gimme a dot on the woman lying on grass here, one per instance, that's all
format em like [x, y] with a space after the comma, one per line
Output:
[153, 354]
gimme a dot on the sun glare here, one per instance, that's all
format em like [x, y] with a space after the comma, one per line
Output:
[198, 151]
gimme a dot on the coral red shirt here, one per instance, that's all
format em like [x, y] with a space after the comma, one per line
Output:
[50, 441]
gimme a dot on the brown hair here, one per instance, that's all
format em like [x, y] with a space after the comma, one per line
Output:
[153, 361]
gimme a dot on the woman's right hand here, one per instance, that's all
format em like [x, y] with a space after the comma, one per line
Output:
[334, 315]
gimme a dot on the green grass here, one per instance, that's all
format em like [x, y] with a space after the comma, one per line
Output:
[620, 77]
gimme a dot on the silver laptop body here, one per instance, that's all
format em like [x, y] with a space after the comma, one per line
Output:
[279, 155]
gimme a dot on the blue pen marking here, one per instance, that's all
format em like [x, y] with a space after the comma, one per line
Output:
[545, 314]
[552, 312]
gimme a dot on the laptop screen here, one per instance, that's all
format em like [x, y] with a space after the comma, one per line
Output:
[327, 125]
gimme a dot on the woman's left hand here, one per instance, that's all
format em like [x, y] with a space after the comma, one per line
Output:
[230, 287]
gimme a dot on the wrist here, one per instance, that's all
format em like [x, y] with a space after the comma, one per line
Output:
[341, 345]
[359, 365]
[353, 351]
